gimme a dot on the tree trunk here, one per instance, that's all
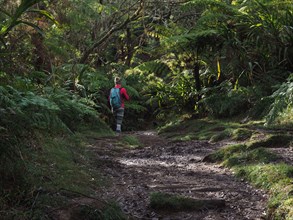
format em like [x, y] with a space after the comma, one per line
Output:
[42, 60]
[129, 46]
[108, 34]
[197, 80]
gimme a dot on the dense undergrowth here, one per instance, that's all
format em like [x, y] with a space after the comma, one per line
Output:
[53, 173]
[206, 58]
[249, 157]
[45, 161]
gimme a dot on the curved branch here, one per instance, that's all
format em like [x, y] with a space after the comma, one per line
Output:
[114, 29]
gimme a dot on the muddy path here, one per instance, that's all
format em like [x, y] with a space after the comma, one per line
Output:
[177, 168]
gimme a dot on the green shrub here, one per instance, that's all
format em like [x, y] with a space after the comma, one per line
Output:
[283, 103]
[225, 101]
[73, 110]
[26, 115]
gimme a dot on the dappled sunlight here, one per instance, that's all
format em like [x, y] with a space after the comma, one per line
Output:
[179, 164]
[178, 168]
[149, 133]
[172, 161]
[190, 77]
[144, 162]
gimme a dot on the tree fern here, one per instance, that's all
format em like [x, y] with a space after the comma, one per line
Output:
[73, 111]
[225, 101]
[205, 4]
[159, 68]
[283, 99]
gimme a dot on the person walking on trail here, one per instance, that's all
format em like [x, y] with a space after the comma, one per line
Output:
[117, 97]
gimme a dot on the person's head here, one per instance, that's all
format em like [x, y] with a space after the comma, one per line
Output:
[117, 80]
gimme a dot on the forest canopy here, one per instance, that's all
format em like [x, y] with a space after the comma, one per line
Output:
[218, 58]
[204, 58]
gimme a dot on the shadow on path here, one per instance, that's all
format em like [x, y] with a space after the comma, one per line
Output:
[175, 168]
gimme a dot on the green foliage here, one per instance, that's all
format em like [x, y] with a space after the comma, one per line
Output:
[245, 45]
[283, 100]
[14, 20]
[271, 25]
[241, 134]
[259, 155]
[111, 211]
[171, 203]
[24, 114]
[251, 152]
[156, 67]
[50, 174]
[60, 162]
[194, 41]
[170, 94]
[222, 135]
[260, 107]
[241, 40]
[259, 166]
[74, 111]
[276, 178]
[164, 201]
[272, 141]
[224, 32]
[199, 129]
[57, 110]
[267, 175]
[226, 152]
[131, 141]
[94, 87]
[225, 101]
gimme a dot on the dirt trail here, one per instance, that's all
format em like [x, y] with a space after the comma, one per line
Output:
[173, 167]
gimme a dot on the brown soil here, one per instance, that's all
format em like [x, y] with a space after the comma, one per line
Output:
[285, 154]
[177, 168]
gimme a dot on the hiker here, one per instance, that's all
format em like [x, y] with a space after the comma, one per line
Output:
[117, 97]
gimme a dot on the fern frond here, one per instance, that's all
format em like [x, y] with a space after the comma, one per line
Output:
[225, 101]
[194, 40]
[159, 68]
[135, 106]
[203, 5]
[283, 99]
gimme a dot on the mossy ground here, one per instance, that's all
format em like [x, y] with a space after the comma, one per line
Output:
[208, 129]
[250, 159]
[164, 201]
[58, 170]
[175, 203]
[131, 141]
